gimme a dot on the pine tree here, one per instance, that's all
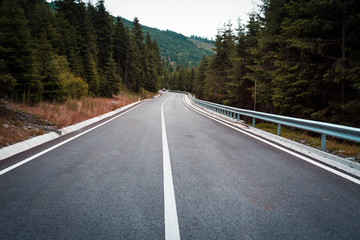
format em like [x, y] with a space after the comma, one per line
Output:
[69, 19]
[104, 28]
[138, 64]
[154, 64]
[240, 88]
[200, 76]
[110, 83]
[41, 23]
[89, 51]
[220, 65]
[123, 51]
[17, 55]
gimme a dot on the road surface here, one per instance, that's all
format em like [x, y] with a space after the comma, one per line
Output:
[220, 184]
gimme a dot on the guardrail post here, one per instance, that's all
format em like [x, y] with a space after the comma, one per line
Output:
[279, 129]
[323, 142]
[238, 117]
[253, 122]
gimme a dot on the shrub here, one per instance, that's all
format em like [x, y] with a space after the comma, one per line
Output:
[75, 87]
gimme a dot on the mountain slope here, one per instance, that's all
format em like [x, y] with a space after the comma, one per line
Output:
[177, 48]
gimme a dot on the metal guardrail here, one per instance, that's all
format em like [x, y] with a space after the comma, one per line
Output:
[335, 130]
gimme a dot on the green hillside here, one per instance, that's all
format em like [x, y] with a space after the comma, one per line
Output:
[177, 48]
[202, 44]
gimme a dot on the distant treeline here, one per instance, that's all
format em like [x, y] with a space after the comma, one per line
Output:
[72, 49]
[303, 56]
[202, 39]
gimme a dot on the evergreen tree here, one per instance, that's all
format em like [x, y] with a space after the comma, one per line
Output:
[41, 23]
[138, 64]
[77, 41]
[69, 21]
[200, 76]
[89, 51]
[17, 55]
[240, 88]
[104, 28]
[190, 77]
[218, 78]
[110, 84]
[154, 64]
[124, 53]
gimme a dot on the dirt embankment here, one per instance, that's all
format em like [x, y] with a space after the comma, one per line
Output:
[17, 125]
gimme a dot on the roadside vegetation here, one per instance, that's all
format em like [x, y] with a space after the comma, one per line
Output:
[67, 61]
[295, 58]
[72, 49]
[19, 122]
[341, 148]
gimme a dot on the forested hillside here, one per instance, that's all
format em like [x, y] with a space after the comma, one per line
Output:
[298, 58]
[176, 48]
[71, 50]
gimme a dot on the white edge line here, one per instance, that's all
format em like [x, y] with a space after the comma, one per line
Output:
[352, 179]
[62, 143]
[170, 212]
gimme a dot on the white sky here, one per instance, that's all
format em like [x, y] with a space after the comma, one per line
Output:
[190, 17]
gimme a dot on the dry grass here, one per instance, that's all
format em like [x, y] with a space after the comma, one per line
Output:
[19, 122]
[74, 111]
[10, 134]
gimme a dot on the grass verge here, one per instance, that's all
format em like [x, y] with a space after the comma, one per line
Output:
[19, 122]
[339, 147]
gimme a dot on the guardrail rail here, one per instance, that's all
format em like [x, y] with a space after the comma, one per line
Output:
[325, 129]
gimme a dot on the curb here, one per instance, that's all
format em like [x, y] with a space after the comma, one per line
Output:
[16, 148]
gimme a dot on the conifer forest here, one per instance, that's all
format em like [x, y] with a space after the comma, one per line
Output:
[296, 58]
[71, 50]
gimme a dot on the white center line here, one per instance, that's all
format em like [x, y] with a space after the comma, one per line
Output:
[171, 219]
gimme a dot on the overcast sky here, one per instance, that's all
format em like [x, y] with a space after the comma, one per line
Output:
[190, 17]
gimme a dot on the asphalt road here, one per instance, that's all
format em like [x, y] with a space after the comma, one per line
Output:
[109, 184]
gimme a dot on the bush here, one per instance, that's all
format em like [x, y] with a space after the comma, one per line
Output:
[76, 87]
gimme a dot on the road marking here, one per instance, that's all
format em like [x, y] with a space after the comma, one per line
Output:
[332, 170]
[12, 167]
[171, 219]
